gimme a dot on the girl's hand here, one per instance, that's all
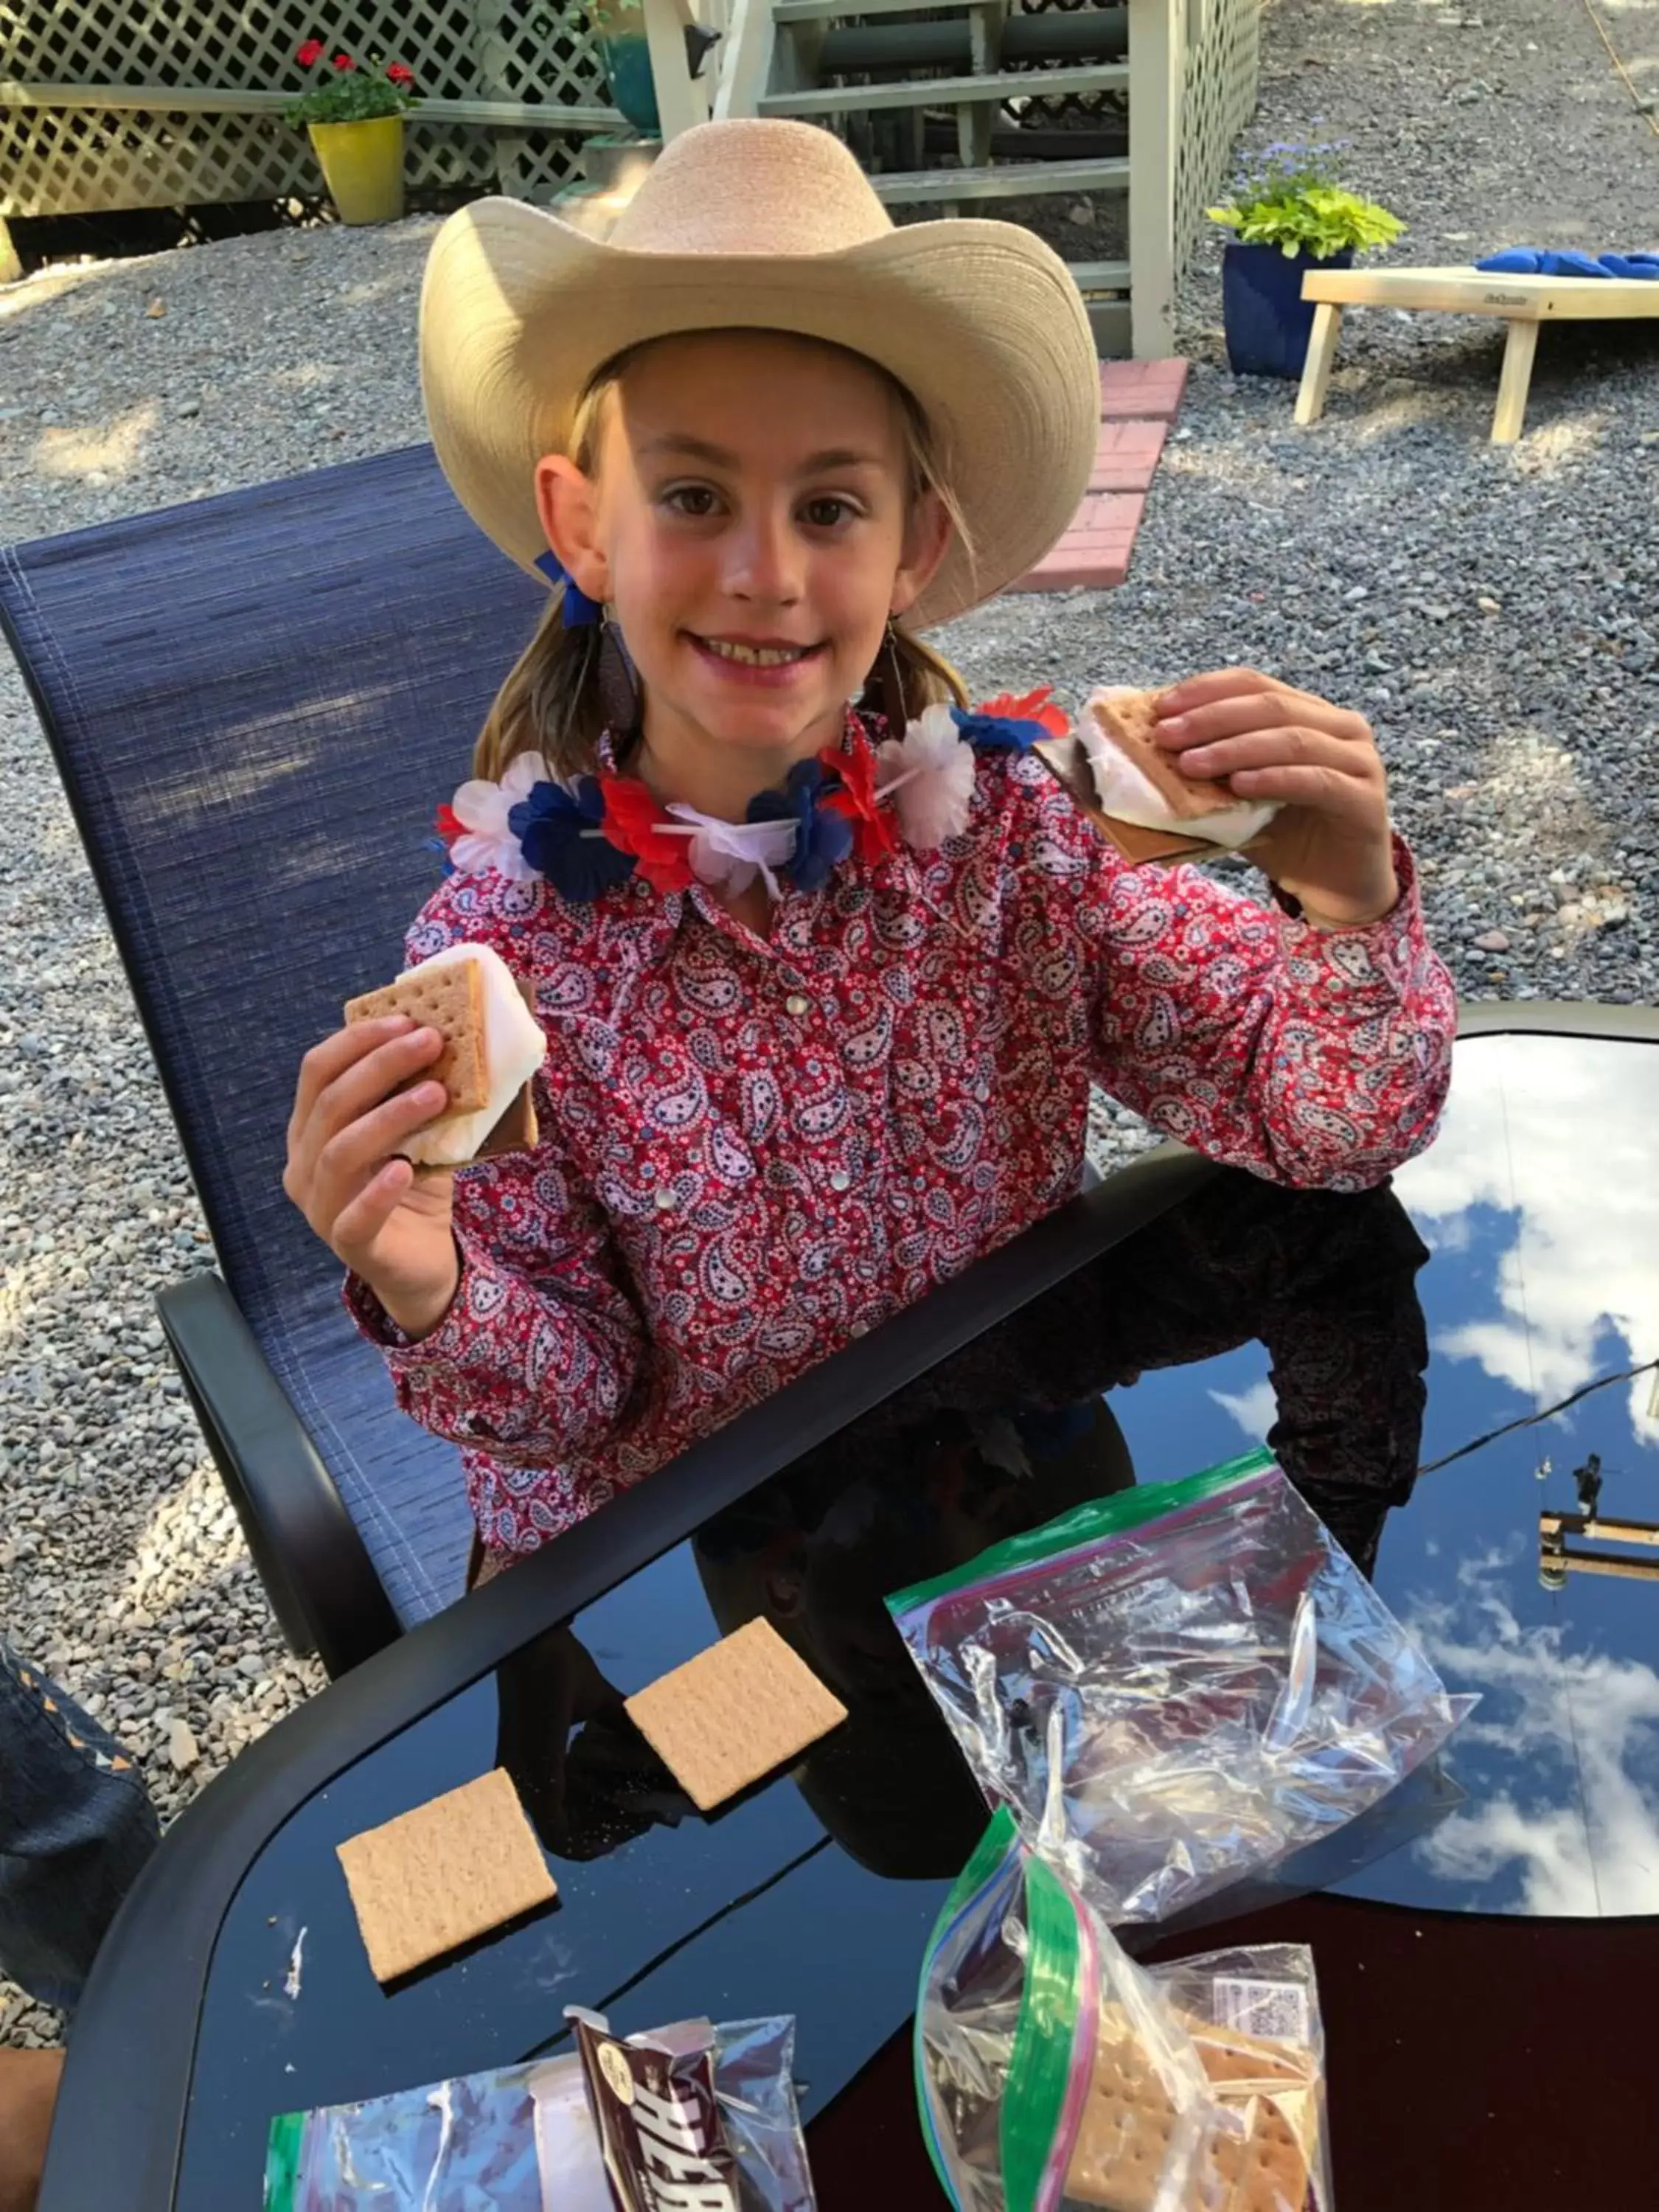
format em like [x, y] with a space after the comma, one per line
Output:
[1330, 846]
[350, 1116]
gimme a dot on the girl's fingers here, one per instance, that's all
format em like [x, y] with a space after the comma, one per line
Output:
[354, 1227]
[364, 1084]
[1204, 690]
[363, 1146]
[1267, 749]
[327, 1061]
[1264, 709]
[1314, 785]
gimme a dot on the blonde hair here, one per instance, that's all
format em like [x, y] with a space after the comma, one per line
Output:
[551, 701]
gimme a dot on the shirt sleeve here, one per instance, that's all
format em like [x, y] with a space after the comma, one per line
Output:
[541, 1349]
[1319, 1059]
[1313, 1057]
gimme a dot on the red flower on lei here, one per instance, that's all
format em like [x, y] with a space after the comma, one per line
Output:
[634, 822]
[855, 802]
[1031, 707]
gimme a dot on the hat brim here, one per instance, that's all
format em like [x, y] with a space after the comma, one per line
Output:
[980, 321]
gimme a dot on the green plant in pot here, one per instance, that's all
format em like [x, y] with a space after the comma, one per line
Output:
[354, 116]
[1289, 214]
[618, 28]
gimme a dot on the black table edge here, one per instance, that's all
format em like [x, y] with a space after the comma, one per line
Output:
[119, 2125]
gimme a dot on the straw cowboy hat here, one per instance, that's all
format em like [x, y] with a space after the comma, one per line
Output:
[773, 226]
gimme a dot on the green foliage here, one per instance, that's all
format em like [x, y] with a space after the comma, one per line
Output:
[1289, 197]
[343, 92]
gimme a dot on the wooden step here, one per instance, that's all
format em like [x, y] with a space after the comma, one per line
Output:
[824, 11]
[1086, 34]
[1093, 276]
[949, 91]
[1008, 180]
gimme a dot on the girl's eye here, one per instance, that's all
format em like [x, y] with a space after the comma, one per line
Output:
[829, 512]
[695, 500]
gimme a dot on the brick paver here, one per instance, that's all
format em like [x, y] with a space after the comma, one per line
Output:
[1139, 400]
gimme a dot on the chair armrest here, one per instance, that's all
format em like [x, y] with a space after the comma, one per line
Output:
[322, 1585]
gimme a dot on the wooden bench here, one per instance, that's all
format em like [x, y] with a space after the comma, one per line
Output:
[1523, 302]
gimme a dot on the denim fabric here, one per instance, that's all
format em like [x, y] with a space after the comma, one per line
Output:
[76, 1827]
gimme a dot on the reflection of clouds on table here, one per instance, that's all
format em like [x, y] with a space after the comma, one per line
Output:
[1559, 1134]
[1255, 1409]
[1571, 1742]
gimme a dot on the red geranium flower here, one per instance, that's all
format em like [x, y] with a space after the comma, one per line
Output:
[344, 61]
[855, 802]
[310, 53]
[1033, 707]
[399, 73]
[634, 822]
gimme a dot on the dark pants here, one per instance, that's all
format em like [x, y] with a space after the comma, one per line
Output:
[75, 1828]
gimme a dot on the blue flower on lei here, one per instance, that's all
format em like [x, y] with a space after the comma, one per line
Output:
[998, 733]
[550, 826]
[822, 839]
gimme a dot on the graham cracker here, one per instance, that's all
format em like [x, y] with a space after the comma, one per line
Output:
[1272, 2084]
[449, 999]
[450, 1869]
[1128, 719]
[734, 1714]
[1118, 2158]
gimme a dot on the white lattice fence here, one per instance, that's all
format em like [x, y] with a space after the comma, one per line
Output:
[489, 70]
[1223, 54]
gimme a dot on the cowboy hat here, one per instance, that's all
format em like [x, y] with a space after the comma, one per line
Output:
[756, 224]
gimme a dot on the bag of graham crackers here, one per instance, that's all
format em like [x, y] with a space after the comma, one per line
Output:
[1054, 2075]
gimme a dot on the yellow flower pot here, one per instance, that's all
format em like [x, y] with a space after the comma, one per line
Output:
[362, 165]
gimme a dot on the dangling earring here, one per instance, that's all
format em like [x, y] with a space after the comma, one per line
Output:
[883, 690]
[619, 684]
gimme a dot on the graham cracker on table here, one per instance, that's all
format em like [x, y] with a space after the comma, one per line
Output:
[450, 1869]
[734, 1714]
[449, 999]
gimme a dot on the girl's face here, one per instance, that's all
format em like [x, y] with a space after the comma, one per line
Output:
[750, 521]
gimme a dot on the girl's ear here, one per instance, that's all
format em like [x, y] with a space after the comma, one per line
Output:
[568, 503]
[926, 541]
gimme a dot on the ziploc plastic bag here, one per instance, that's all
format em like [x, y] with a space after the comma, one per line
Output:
[1254, 2018]
[1176, 1686]
[524, 2139]
[1050, 2072]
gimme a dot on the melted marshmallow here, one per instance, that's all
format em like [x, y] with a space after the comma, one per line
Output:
[514, 1049]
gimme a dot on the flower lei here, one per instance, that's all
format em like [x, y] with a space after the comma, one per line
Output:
[587, 837]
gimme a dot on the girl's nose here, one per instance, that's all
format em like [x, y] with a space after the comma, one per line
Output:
[764, 559]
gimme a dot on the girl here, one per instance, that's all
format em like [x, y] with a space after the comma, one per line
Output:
[825, 988]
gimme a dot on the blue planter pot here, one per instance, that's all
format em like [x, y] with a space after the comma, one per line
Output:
[627, 70]
[1268, 321]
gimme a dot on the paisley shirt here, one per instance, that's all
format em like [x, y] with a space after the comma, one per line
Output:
[753, 1150]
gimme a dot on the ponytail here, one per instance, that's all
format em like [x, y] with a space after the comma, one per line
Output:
[549, 703]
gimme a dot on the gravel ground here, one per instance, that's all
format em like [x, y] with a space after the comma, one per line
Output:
[1493, 612]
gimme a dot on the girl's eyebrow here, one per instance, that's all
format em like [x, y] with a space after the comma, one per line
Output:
[682, 445]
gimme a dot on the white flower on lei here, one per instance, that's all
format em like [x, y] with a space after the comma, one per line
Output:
[483, 809]
[929, 775]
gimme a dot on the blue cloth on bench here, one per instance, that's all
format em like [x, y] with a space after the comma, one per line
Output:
[1548, 261]
[257, 703]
